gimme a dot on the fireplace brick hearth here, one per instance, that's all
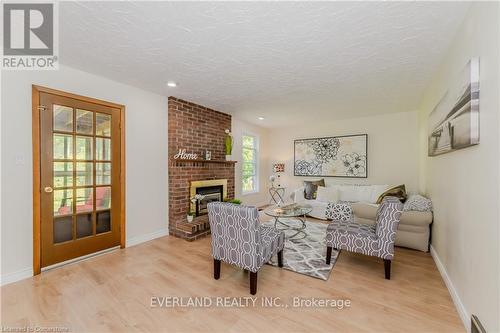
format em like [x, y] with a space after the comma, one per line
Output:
[197, 129]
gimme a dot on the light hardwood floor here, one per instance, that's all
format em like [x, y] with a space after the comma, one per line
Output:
[113, 292]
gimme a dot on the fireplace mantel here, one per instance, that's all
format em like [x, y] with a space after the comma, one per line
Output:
[199, 160]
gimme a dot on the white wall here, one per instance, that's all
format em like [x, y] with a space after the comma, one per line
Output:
[464, 185]
[239, 129]
[146, 159]
[392, 148]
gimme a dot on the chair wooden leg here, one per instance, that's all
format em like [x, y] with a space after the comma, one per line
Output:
[216, 269]
[328, 254]
[253, 283]
[387, 267]
[280, 258]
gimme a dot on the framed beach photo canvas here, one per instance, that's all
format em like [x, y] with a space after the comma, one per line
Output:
[336, 156]
[454, 122]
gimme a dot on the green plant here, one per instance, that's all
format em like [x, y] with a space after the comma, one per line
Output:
[233, 201]
[191, 213]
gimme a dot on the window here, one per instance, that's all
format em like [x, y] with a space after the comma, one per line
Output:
[249, 166]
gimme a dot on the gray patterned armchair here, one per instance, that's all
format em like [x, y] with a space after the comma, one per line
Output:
[373, 240]
[239, 239]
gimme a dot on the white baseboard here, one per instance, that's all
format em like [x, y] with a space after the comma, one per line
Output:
[16, 276]
[28, 272]
[147, 237]
[462, 311]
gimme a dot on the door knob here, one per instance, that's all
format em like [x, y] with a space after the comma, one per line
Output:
[48, 189]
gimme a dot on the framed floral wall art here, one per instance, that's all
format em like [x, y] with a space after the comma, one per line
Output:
[337, 156]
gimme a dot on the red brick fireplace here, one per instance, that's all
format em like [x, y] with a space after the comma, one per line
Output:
[196, 129]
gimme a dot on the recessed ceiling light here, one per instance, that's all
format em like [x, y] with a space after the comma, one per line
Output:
[261, 118]
[171, 84]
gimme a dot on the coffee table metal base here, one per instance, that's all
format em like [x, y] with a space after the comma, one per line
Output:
[299, 234]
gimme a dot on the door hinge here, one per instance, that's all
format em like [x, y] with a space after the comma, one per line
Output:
[42, 107]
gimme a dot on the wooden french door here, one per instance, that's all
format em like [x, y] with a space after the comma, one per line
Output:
[80, 173]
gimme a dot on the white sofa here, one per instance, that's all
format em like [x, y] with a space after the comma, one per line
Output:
[414, 227]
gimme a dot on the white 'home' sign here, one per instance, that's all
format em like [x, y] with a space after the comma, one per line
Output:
[185, 156]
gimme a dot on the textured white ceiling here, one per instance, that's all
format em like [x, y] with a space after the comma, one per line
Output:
[288, 62]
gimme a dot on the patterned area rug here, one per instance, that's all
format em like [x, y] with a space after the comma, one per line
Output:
[307, 255]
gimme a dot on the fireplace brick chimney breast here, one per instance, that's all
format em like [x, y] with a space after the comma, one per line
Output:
[197, 129]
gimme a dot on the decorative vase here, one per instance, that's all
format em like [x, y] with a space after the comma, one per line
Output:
[228, 144]
[190, 218]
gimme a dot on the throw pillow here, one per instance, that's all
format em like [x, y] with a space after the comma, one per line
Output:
[311, 187]
[397, 191]
[341, 211]
[327, 194]
[418, 203]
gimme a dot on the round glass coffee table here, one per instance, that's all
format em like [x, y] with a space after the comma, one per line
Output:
[293, 211]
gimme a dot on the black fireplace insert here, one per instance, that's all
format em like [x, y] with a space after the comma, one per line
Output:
[210, 194]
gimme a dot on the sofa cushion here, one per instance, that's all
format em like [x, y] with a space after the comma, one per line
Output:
[362, 220]
[327, 194]
[364, 210]
[412, 239]
[369, 212]
[311, 187]
[416, 218]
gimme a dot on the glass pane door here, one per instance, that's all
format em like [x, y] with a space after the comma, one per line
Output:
[79, 176]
